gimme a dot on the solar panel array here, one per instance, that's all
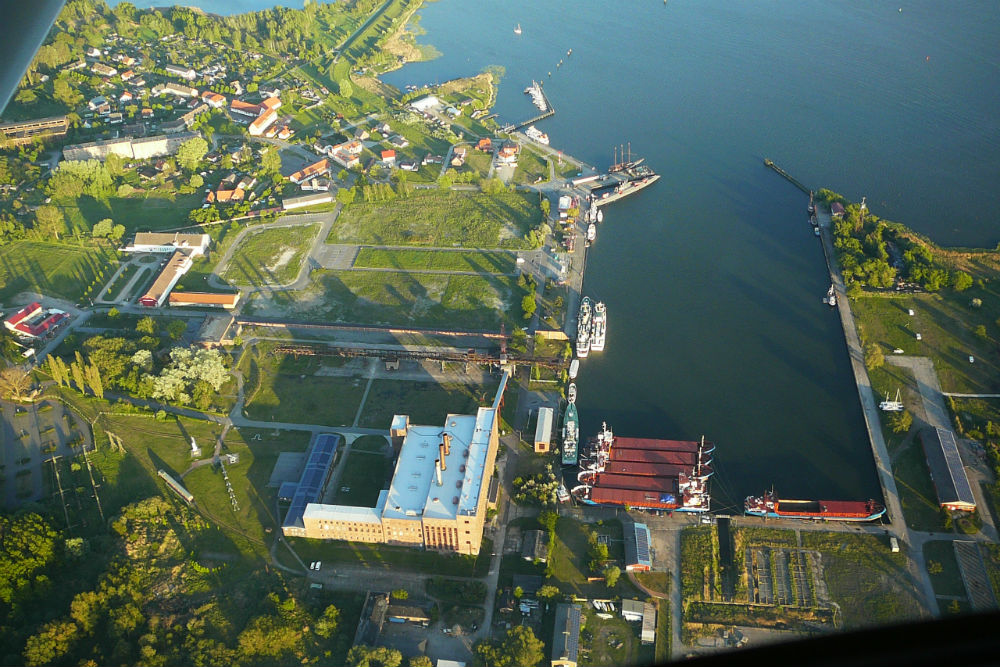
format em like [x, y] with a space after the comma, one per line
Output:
[642, 543]
[313, 476]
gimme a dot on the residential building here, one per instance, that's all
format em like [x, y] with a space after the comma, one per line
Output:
[311, 171]
[947, 470]
[437, 496]
[185, 73]
[543, 430]
[837, 210]
[174, 89]
[262, 122]
[227, 301]
[130, 147]
[389, 157]
[507, 155]
[127, 74]
[33, 321]
[270, 103]
[176, 266]
[164, 242]
[566, 635]
[20, 133]
[103, 70]
[244, 108]
[213, 99]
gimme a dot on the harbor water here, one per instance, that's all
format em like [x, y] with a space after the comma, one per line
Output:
[712, 276]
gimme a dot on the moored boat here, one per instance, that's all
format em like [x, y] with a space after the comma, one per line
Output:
[571, 393]
[583, 329]
[574, 368]
[591, 233]
[570, 435]
[891, 406]
[535, 134]
[770, 506]
[598, 327]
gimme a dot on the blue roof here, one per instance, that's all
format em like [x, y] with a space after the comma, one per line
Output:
[313, 478]
[637, 546]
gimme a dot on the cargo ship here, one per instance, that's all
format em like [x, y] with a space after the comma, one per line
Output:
[570, 435]
[599, 327]
[770, 506]
[583, 328]
[644, 473]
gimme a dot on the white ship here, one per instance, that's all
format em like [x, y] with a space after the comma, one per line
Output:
[598, 327]
[571, 393]
[600, 215]
[583, 329]
[537, 98]
[891, 406]
[574, 368]
[535, 134]
[517, 30]
[591, 233]
[831, 297]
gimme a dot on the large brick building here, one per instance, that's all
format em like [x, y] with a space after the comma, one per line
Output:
[437, 498]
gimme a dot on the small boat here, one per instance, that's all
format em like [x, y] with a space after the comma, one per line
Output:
[891, 406]
[517, 30]
[562, 495]
[591, 233]
[816, 230]
[571, 393]
[574, 368]
[831, 297]
[600, 215]
[570, 52]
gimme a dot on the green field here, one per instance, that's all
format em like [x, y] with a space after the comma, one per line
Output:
[916, 490]
[115, 288]
[51, 268]
[362, 478]
[376, 297]
[569, 559]
[156, 210]
[425, 402]
[332, 401]
[531, 167]
[436, 260]
[444, 219]
[385, 557]
[949, 580]
[270, 257]
[947, 325]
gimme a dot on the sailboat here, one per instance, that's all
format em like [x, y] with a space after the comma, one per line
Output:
[891, 406]
[517, 30]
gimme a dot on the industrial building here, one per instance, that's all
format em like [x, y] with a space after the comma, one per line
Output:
[164, 242]
[637, 557]
[437, 498]
[33, 321]
[220, 300]
[947, 471]
[291, 203]
[176, 266]
[133, 148]
[644, 613]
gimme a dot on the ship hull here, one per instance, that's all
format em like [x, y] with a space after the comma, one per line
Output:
[635, 187]
[823, 516]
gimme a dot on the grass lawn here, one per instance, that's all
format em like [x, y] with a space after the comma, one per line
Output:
[531, 167]
[53, 269]
[363, 477]
[425, 402]
[115, 289]
[332, 401]
[916, 490]
[947, 326]
[442, 218]
[141, 212]
[871, 584]
[991, 559]
[949, 580]
[271, 256]
[370, 443]
[569, 559]
[611, 641]
[658, 582]
[436, 260]
[423, 300]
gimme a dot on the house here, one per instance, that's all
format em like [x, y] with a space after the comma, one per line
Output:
[409, 165]
[535, 546]
[270, 104]
[485, 145]
[507, 155]
[225, 196]
[947, 470]
[33, 321]
[237, 87]
[93, 52]
[566, 635]
[97, 103]
[213, 99]
[641, 612]
[399, 141]
[315, 169]
[174, 89]
[528, 583]
[103, 70]
[837, 210]
[389, 157]
[285, 133]
[115, 118]
[125, 97]
[175, 267]
[185, 73]
[146, 112]
[262, 122]
[317, 185]
[227, 301]
[543, 430]
[127, 74]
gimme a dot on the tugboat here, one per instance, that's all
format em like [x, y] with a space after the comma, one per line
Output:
[571, 393]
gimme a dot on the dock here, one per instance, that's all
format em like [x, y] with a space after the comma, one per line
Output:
[787, 176]
[513, 127]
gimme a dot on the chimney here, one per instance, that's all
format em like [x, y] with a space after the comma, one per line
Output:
[447, 444]
[437, 470]
[442, 450]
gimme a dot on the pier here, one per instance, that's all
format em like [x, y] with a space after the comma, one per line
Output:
[550, 111]
[787, 176]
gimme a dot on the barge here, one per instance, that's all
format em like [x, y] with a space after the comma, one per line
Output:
[770, 506]
[644, 473]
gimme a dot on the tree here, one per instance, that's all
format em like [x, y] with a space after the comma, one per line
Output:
[934, 567]
[52, 644]
[147, 325]
[190, 153]
[874, 358]
[546, 207]
[518, 648]
[420, 661]
[93, 374]
[400, 594]
[368, 656]
[49, 221]
[980, 332]
[270, 161]
[176, 329]
[900, 422]
[611, 574]
[961, 281]
[548, 519]
[528, 305]
[14, 381]
[78, 376]
[345, 88]
[547, 592]
[102, 228]
[326, 625]
[196, 181]
[117, 232]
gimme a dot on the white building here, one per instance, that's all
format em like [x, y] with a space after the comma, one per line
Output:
[165, 242]
[425, 103]
[185, 73]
